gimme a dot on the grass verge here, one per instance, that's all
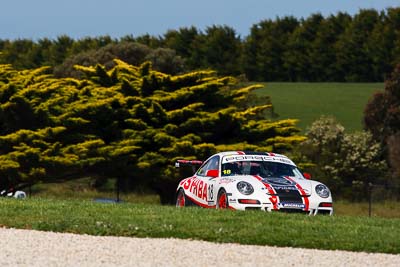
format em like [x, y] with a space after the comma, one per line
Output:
[257, 228]
[82, 190]
[383, 209]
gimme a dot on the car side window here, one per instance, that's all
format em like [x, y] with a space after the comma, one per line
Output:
[211, 164]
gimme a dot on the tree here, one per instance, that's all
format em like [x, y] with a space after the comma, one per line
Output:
[147, 40]
[382, 113]
[322, 49]
[382, 118]
[166, 60]
[16, 52]
[89, 43]
[183, 42]
[380, 45]
[297, 57]
[393, 20]
[394, 157]
[127, 122]
[354, 58]
[222, 50]
[61, 49]
[265, 49]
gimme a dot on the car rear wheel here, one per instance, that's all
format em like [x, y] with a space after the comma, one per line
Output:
[181, 198]
[222, 200]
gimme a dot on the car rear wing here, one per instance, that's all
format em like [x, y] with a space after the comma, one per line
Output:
[184, 162]
[193, 163]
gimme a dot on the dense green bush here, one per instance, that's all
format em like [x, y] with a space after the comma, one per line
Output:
[346, 162]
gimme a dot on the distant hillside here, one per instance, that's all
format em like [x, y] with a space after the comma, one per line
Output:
[308, 101]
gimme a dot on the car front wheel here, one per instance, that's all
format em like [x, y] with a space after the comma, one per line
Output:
[222, 200]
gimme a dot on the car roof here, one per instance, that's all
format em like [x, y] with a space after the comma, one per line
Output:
[266, 156]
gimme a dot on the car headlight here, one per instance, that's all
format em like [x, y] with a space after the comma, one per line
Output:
[322, 191]
[245, 188]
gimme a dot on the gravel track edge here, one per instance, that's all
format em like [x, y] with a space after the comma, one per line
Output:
[37, 248]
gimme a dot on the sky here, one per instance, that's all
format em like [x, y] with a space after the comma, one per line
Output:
[37, 19]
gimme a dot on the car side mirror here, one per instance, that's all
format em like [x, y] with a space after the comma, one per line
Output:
[307, 175]
[212, 173]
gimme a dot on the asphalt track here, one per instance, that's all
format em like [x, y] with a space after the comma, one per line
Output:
[35, 248]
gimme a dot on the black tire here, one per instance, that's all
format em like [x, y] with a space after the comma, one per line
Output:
[181, 199]
[222, 200]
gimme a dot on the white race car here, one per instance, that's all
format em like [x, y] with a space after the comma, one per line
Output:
[242, 180]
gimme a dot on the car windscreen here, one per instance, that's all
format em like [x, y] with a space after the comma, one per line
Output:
[261, 168]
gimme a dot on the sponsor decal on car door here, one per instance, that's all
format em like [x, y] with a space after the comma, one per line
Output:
[198, 190]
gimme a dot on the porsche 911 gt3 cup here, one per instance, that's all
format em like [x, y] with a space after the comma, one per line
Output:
[252, 180]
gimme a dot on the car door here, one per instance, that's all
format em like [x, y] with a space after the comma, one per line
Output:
[208, 174]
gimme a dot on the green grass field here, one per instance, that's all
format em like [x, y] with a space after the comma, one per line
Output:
[80, 190]
[351, 233]
[308, 101]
